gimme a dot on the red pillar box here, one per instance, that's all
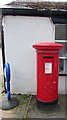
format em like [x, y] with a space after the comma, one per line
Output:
[47, 71]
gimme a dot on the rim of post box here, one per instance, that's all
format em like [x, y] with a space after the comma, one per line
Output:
[48, 45]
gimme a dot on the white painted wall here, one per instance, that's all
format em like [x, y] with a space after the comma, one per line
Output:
[20, 33]
[62, 87]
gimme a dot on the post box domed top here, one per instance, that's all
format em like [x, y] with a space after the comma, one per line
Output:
[48, 45]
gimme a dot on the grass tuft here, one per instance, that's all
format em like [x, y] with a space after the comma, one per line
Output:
[25, 96]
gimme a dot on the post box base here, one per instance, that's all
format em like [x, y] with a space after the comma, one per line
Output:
[49, 108]
[44, 102]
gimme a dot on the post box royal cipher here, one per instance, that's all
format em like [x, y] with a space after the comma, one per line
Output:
[47, 71]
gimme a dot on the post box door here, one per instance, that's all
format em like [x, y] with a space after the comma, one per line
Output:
[47, 77]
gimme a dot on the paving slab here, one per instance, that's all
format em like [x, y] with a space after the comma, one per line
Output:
[19, 111]
[35, 113]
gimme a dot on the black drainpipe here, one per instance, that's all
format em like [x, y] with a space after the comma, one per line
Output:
[3, 54]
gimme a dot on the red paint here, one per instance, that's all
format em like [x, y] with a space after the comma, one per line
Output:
[47, 83]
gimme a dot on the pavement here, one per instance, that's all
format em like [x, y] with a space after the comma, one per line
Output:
[20, 111]
[27, 107]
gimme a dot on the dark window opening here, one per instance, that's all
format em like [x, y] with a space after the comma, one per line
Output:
[61, 38]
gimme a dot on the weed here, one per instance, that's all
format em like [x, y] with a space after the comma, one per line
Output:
[3, 94]
[25, 96]
[2, 84]
[22, 103]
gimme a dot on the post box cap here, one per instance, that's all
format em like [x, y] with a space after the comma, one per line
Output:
[48, 45]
